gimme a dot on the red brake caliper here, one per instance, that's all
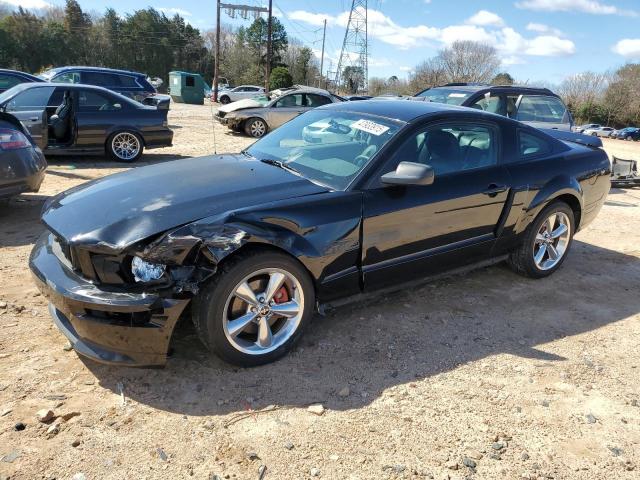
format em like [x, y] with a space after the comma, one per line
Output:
[281, 296]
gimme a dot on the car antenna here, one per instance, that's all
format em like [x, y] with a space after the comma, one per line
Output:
[213, 128]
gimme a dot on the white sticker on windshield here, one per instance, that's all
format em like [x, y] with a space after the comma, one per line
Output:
[457, 95]
[369, 127]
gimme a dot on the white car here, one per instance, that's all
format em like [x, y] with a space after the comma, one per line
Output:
[240, 93]
[599, 132]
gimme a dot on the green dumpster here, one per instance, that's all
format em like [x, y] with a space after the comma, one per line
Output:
[185, 87]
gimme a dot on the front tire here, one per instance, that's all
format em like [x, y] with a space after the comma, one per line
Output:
[255, 308]
[256, 127]
[125, 146]
[546, 243]
[224, 100]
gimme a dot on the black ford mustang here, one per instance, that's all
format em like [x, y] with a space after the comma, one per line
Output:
[342, 200]
[68, 119]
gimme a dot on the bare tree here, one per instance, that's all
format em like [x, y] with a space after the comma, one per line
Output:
[429, 73]
[468, 61]
[582, 92]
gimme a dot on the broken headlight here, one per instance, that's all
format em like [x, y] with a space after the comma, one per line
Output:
[144, 271]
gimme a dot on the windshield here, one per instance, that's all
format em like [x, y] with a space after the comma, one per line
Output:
[326, 146]
[261, 99]
[48, 75]
[450, 96]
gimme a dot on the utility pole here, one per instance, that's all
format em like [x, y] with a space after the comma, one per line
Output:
[324, 34]
[216, 70]
[231, 10]
[269, 32]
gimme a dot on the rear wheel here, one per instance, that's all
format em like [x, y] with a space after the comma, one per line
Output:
[546, 243]
[125, 146]
[255, 309]
[225, 99]
[256, 127]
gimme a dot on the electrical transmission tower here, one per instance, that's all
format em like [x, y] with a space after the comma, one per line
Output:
[354, 49]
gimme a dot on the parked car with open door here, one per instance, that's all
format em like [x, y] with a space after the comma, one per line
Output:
[69, 119]
[538, 107]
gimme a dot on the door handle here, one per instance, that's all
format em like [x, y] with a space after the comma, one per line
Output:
[33, 119]
[493, 190]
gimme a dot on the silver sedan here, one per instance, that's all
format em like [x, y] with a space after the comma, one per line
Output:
[257, 116]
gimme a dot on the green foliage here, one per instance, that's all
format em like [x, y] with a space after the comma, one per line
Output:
[280, 78]
[256, 38]
[353, 78]
[146, 41]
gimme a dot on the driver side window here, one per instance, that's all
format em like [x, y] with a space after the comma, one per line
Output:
[91, 101]
[451, 147]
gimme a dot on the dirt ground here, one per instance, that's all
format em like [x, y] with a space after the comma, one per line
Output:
[485, 375]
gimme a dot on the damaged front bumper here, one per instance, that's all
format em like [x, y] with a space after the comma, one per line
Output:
[109, 326]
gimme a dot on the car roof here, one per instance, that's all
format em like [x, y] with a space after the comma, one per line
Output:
[97, 69]
[473, 88]
[20, 74]
[404, 111]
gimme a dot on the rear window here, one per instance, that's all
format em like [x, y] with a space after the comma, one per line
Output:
[8, 81]
[450, 96]
[127, 81]
[541, 109]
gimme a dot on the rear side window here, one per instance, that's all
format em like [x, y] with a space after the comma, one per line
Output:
[190, 81]
[532, 146]
[541, 109]
[91, 101]
[101, 79]
[31, 99]
[314, 100]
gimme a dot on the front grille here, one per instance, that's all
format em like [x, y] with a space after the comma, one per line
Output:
[221, 114]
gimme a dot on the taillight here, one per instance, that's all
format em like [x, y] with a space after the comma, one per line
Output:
[13, 139]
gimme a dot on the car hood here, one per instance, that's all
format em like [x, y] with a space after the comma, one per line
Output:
[240, 105]
[119, 210]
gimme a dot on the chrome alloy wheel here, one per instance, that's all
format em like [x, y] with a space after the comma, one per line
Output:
[125, 146]
[552, 241]
[263, 311]
[258, 128]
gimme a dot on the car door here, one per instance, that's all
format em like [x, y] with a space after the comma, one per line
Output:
[30, 107]
[286, 108]
[98, 111]
[414, 231]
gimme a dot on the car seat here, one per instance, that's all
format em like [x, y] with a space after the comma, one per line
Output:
[443, 151]
[61, 119]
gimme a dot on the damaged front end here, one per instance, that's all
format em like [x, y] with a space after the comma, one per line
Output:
[120, 305]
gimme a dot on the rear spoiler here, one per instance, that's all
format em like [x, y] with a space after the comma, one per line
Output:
[586, 140]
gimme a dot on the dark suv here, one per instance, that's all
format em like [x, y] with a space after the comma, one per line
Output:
[131, 84]
[539, 107]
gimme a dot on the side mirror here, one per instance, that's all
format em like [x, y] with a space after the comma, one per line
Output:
[410, 173]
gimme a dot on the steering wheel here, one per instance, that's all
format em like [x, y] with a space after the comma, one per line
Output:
[336, 127]
[365, 156]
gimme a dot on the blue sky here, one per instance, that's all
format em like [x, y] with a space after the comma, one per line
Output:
[538, 40]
